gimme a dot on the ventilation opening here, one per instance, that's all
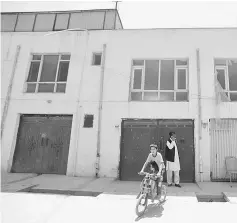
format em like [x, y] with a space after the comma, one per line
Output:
[96, 61]
[211, 198]
[88, 121]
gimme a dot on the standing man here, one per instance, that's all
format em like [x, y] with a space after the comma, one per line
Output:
[172, 160]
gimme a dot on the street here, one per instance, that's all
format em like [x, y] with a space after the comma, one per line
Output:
[47, 208]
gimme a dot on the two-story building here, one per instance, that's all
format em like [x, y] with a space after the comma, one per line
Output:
[82, 96]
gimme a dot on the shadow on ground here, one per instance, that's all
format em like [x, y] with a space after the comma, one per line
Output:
[153, 211]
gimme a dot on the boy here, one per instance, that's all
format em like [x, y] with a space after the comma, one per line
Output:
[155, 156]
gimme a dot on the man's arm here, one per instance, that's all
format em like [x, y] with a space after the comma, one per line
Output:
[170, 145]
[161, 164]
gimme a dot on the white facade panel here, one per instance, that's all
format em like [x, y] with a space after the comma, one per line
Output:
[82, 91]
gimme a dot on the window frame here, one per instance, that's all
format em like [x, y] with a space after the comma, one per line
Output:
[37, 82]
[176, 90]
[93, 58]
[226, 71]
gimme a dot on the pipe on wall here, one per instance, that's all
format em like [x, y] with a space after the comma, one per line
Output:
[199, 115]
[100, 107]
[9, 90]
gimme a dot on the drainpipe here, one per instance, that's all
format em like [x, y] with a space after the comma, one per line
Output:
[100, 111]
[9, 90]
[199, 115]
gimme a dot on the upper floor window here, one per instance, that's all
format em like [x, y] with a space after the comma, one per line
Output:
[159, 80]
[48, 73]
[226, 71]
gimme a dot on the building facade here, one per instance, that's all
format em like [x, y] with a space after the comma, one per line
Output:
[89, 102]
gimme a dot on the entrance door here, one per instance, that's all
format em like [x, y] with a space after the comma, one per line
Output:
[42, 145]
[137, 135]
[185, 144]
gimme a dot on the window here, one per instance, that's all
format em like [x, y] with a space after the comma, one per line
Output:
[44, 22]
[25, 22]
[48, 73]
[8, 22]
[61, 21]
[96, 60]
[226, 71]
[88, 121]
[159, 80]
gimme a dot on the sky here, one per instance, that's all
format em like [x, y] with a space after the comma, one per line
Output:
[146, 14]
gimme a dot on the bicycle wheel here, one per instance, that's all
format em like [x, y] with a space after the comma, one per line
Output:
[141, 204]
[163, 193]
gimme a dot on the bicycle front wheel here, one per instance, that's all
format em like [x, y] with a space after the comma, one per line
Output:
[141, 204]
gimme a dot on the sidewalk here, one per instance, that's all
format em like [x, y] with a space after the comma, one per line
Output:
[58, 183]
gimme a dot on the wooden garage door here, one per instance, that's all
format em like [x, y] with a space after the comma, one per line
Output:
[42, 145]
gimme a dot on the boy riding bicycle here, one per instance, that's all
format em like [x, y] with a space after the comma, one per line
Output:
[155, 158]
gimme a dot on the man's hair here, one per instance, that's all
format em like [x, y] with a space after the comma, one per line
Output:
[171, 134]
[154, 165]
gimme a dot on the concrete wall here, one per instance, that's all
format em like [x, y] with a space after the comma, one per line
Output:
[122, 47]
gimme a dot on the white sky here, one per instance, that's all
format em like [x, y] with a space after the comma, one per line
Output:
[146, 14]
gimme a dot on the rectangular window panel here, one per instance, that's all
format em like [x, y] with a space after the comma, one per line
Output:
[30, 88]
[61, 21]
[61, 88]
[181, 62]
[97, 59]
[150, 96]
[232, 70]
[166, 96]
[137, 79]
[44, 22]
[167, 75]
[49, 68]
[25, 22]
[36, 57]
[220, 62]
[46, 88]
[88, 121]
[65, 57]
[151, 75]
[63, 71]
[221, 77]
[8, 22]
[181, 79]
[34, 70]
[136, 96]
[138, 62]
[233, 96]
[181, 96]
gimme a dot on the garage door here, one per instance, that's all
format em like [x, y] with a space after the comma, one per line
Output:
[136, 139]
[223, 144]
[137, 135]
[42, 144]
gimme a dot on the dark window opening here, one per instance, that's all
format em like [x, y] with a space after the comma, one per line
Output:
[88, 121]
[97, 59]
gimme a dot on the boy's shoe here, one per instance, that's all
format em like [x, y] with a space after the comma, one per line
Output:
[169, 185]
[177, 185]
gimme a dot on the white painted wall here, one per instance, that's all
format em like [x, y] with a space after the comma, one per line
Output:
[122, 47]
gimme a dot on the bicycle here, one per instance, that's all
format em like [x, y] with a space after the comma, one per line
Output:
[146, 193]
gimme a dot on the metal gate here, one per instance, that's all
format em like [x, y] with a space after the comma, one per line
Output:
[42, 144]
[137, 135]
[223, 143]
